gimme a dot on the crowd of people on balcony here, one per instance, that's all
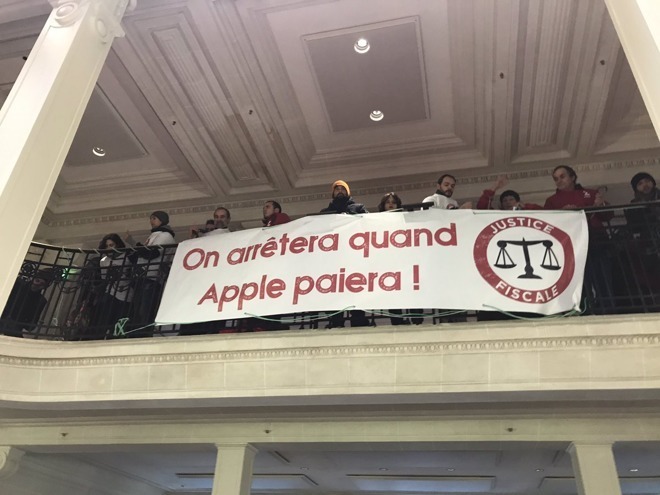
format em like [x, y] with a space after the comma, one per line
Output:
[126, 285]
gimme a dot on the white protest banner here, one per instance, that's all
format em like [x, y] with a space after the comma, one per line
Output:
[446, 259]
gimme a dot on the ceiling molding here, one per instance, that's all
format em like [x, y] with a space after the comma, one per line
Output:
[53, 220]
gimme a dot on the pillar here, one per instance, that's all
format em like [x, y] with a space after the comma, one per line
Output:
[41, 115]
[233, 469]
[594, 468]
[637, 23]
[10, 458]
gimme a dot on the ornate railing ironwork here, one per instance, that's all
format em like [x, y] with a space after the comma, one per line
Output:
[81, 294]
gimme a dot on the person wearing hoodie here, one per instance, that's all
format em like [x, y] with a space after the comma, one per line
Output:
[273, 215]
[644, 222]
[342, 202]
[151, 262]
[644, 226]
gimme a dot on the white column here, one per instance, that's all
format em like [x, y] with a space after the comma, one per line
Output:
[10, 457]
[41, 115]
[233, 469]
[637, 23]
[594, 469]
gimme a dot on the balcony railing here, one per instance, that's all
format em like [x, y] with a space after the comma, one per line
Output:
[82, 294]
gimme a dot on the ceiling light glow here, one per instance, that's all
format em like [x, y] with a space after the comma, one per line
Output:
[376, 116]
[634, 470]
[361, 46]
[98, 151]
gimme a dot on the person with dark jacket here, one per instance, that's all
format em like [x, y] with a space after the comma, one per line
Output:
[644, 227]
[644, 221]
[152, 264]
[25, 304]
[115, 274]
[342, 202]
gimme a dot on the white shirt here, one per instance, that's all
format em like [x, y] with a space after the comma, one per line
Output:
[441, 201]
[215, 232]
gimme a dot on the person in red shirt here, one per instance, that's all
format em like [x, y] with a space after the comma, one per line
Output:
[273, 214]
[570, 195]
[598, 280]
[509, 199]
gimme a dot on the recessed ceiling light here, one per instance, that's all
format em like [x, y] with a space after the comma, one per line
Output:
[376, 115]
[633, 470]
[383, 469]
[539, 470]
[98, 151]
[361, 46]
[451, 469]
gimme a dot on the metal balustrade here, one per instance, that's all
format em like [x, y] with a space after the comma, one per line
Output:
[82, 294]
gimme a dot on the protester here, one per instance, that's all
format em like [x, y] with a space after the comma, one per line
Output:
[443, 195]
[391, 201]
[342, 202]
[273, 215]
[152, 266]
[570, 195]
[116, 271]
[208, 227]
[644, 221]
[509, 199]
[221, 220]
[25, 304]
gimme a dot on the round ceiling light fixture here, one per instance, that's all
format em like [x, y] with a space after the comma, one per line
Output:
[98, 151]
[376, 115]
[361, 46]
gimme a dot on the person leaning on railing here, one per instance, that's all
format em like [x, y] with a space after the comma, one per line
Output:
[152, 265]
[570, 195]
[644, 227]
[392, 202]
[343, 202]
[115, 273]
[644, 221]
[509, 199]
[25, 304]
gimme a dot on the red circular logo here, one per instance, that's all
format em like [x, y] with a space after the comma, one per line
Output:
[539, 237]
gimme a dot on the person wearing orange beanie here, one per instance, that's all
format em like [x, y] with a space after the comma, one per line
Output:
[342, 202]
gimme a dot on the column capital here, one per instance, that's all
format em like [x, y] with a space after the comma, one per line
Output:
[231, 446]
[107, 15]
[10, 458]
[575, 445]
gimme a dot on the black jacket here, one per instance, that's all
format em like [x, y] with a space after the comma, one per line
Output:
[343, 204]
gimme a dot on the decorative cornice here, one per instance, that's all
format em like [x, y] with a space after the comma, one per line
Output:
[501, 345]
[357, 192]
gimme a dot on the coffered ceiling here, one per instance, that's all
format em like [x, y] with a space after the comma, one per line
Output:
[233, 102]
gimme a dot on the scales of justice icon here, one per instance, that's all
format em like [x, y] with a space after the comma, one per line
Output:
[549, 261]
